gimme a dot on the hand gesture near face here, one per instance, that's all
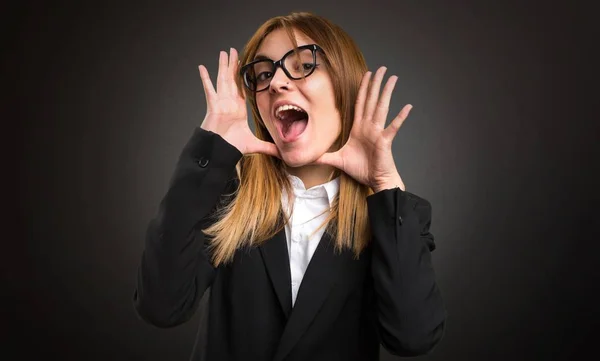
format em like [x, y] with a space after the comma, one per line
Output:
[367, 155]
[226, 112]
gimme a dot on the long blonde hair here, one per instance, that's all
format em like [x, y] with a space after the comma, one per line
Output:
[255, 212]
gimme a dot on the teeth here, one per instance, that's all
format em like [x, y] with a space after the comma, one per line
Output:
[287, 107]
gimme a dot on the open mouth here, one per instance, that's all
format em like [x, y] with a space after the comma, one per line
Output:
[292, 121]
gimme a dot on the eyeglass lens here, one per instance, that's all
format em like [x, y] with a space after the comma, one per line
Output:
[259, 75]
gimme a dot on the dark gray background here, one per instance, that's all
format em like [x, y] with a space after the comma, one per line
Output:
[106, 94]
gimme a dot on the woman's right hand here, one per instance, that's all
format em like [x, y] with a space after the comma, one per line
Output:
[226, 112]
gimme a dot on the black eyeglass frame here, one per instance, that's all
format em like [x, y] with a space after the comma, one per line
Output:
[280, 64]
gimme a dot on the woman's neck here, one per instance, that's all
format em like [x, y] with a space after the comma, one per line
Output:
[312, 175]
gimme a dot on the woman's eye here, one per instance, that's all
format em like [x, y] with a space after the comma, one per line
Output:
[309, 67]
[264, 76]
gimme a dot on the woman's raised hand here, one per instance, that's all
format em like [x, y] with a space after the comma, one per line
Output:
[226, 113]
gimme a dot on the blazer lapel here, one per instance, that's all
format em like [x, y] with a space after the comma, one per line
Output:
[277, 262]
[318, 279]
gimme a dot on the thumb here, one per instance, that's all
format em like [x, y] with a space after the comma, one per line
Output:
[267, 148]
[333, 159]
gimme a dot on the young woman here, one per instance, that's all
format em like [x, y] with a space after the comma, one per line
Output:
[304, 232]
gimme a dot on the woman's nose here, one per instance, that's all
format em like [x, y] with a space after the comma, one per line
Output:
[279, 81]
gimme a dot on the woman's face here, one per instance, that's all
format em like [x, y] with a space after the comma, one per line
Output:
[311, 100]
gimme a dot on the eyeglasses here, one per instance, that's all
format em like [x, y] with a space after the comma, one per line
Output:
[257, 75]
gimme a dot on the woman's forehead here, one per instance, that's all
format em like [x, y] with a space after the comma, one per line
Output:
[277, 44]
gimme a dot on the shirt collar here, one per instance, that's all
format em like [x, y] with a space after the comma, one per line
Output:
[326, 190]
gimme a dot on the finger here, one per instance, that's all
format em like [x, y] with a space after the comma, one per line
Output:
[209, 90]
[383, 105]
[233, 61]
[222, 85]
[360, 98]
[392, 129]
[373, 93]
[233, 69]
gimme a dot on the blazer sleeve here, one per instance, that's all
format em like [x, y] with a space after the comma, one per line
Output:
[408, 304]
[175, 269]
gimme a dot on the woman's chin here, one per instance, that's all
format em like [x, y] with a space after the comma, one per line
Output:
[296, 159]
[294, 163]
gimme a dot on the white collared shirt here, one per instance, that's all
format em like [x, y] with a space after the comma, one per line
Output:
[308, 203]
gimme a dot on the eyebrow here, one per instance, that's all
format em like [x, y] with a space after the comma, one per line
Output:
[261, 57]
[264, 57]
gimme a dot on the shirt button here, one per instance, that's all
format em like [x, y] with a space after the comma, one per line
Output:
[400, 219]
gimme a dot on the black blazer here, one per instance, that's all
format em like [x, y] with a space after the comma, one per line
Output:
[345, 307]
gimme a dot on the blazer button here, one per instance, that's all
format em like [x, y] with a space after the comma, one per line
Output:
[203, 162]
[400, 219]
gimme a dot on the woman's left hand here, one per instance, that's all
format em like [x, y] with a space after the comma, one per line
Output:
[367, 155]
